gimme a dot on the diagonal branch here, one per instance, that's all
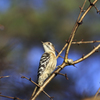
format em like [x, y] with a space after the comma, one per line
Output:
[60, 68]
[73, 32]
[65, 75]
[76, 27]
[30, 80]
[59, 55]
[36, 85]
[81, 10]
[4, 76]
[79, 42]
[67, 51]
[89, 54]
[88, 9]
[48, 80]
[62, 50]
[14, 98]
[96, 94]
[98, 11]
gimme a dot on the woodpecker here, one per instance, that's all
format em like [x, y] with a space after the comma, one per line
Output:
[47, 64]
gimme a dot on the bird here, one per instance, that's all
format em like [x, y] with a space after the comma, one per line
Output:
[47, 64]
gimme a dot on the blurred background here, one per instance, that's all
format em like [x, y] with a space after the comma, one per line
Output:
[24, 24]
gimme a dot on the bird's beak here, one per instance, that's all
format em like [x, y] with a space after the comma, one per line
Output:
[42, 42]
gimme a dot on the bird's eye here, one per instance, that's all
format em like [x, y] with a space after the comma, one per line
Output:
[49, 43]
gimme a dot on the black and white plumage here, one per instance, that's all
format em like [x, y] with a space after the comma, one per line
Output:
[47, 64]
[43, 63]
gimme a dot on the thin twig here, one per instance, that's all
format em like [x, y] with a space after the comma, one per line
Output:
[62, 50]
[30, 80]
[83, 42]
[79, 42]
[60, 68]
[81, 10]
[59, 55]
[86, 56]
[76, 27]
[96, 94]
[77, 19]
[98, 11]
[48, 80]
[14, 98]
[4, 76]
[36, 85]
[73, 32]
[65, 75]
[66, 54]
[87, 11]
[48, 95]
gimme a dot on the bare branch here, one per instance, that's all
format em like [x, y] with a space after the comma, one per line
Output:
[62, 50]
[30, 80]
[86, 56]
[80, 42]
[83, 42]
[36, 85]
[59, 55]
[48, 80]
[60, 68]
[14, 98]
[48, 95]
[96, 94]
[78, 22]
[73, 32]
[65, 75]
[88, 9]
[98, 11]
[81, 10]
[4, 76]
[76, 27]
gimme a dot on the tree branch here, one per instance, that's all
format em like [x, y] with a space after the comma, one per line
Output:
[48, 80]
[79, 42]
[65, 63]
[4, 76]
[83, 42]
[36, 85]
[14, 98]
[62, 50]
[81, 10]
[88, 9]
[73, 32]
[30, 80]
[59, 55]
[96, 94]
[76, 27]
[60, 68]
[89, 54]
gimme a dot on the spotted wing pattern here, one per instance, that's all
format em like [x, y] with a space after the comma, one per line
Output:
[43, 63]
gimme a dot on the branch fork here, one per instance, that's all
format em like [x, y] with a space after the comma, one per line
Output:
[67, 61]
